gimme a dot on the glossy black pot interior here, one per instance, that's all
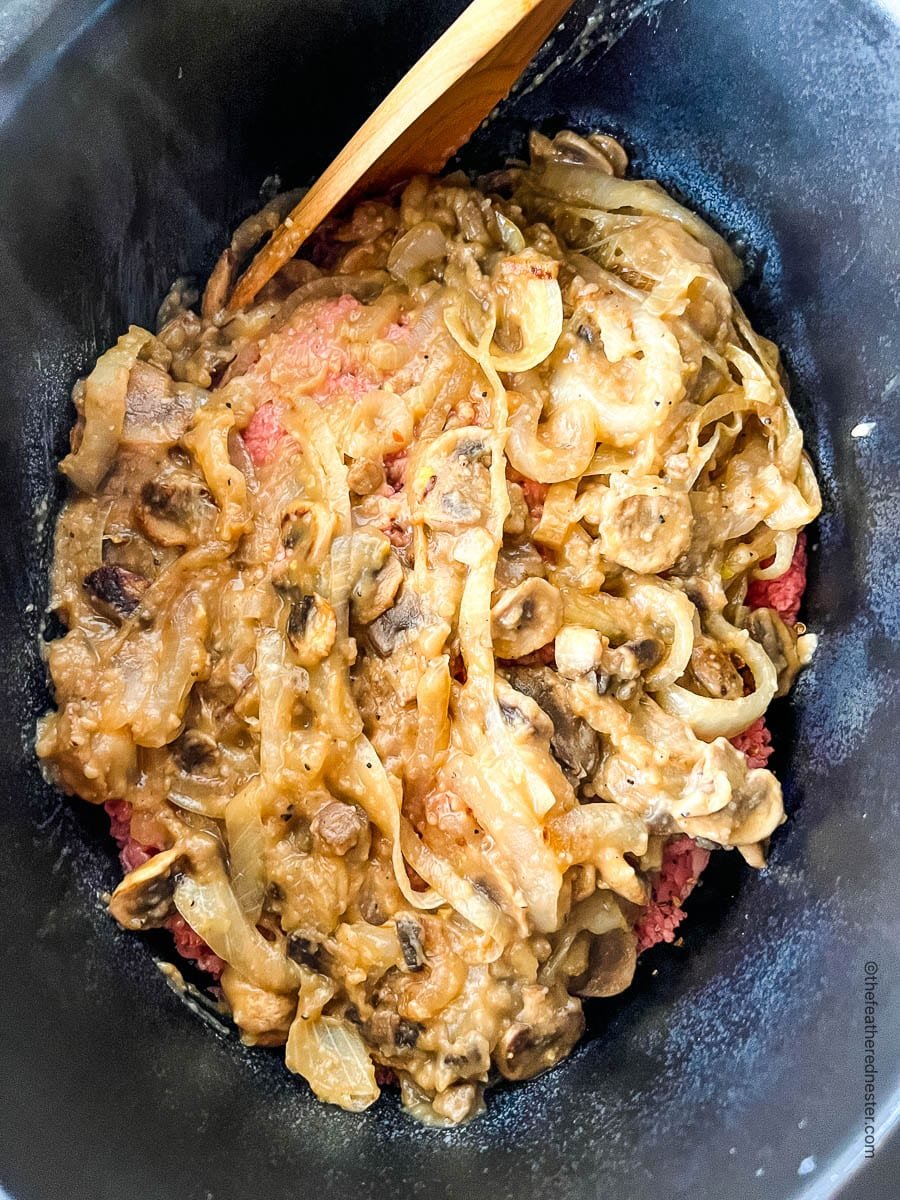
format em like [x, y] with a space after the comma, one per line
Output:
[132, 136]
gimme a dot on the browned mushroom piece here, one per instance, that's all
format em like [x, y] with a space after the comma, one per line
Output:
[195, 749]
[458, 1103]
[115, 592]
[542, 1034]
[337, 826]
[458, 494]
[386, 1028]
[780, 643]
[611, 963]
[516, 563]
[175, 510]
[583, 652]
[143, 899]
[526, 617]
[521, 712]
[412, 942]
[365, 476]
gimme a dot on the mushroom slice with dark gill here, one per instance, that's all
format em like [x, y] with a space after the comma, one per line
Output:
[387, 631]
[522, 714]
[780, 643]
[611, 964]
[377, 576]
[409, 934]
[195, 750]
[540, 1036]
[157, 412]
[526, 617]
[175, 510]
[311, 629]
[714, 670]
[143, 899]
[574, 744]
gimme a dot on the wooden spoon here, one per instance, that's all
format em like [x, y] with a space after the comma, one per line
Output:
[431, 112]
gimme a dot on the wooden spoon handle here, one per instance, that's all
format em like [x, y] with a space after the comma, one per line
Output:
[426, 118]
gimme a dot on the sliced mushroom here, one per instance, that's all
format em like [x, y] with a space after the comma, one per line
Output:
[143, 899]
[311, 629]
[712, 667]
[115, 592]
[412, 944]
[389, 630]
[780, 643]
[175, 510]
[387, 1028]
[452, 486]
[574, 744]
[642, 524]
[530, 1046]
[581, 651]
[459, 1103]
[338, 826]
[516, 563]
[522, 713]
[304, 950]
[365, 476]
[378, 575]
[525, 618]
[195, 749]
[613, 957]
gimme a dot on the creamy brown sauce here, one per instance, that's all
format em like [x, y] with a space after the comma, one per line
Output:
[407, 612]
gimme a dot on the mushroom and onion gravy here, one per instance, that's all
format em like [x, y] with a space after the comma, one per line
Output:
[407, 614]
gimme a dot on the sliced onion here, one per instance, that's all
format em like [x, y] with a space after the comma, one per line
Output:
[361, 777]
[710, 718]
[583, 833]
[785, 544]
[412, 253]
[556, 449]
[331, 1056]
[802, 501]
[588, 185]
[501, 803]
[599, 914]
[246, 848]
[665, 607]
[510, 233]
[210, 907]
[104, 412]
[477, 908]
